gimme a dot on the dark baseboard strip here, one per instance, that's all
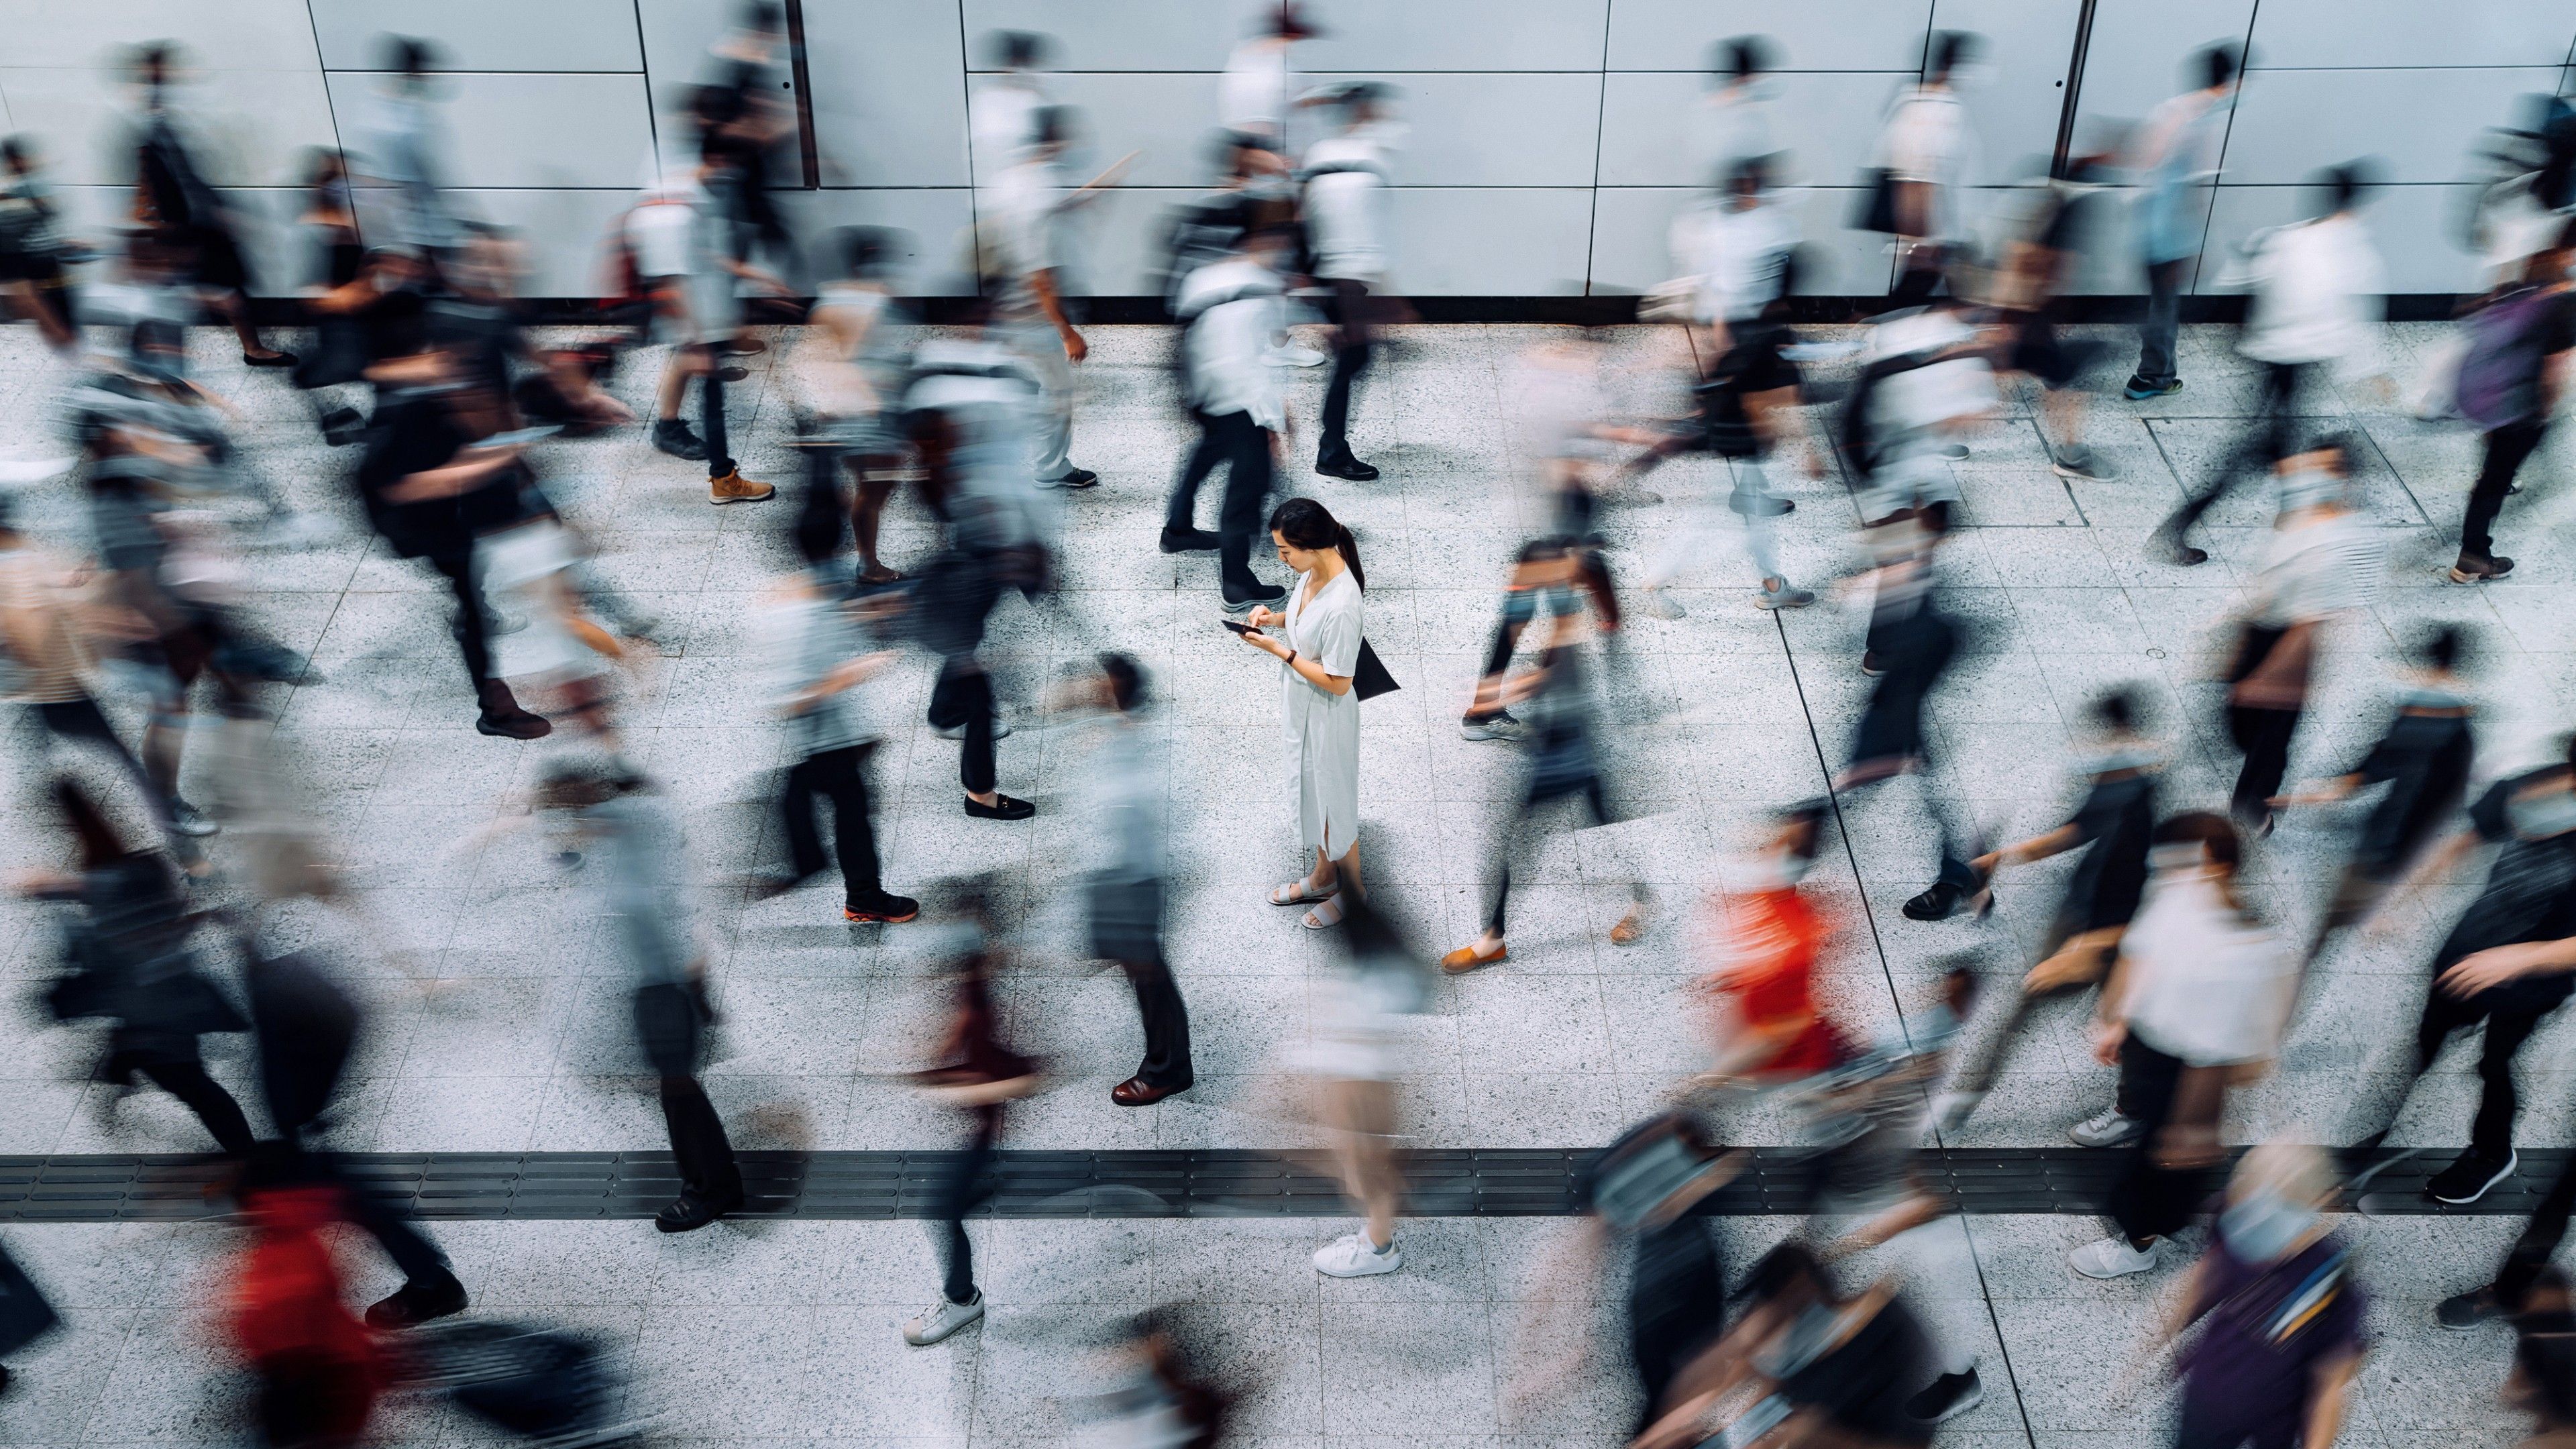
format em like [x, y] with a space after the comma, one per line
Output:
[1450, 1182]
[1597, 311]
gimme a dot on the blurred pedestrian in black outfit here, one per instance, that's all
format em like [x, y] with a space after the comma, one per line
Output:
[177, 204]
[1129, 772]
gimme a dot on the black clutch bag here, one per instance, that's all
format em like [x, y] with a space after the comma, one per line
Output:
[1369, 678]
[1875, 208]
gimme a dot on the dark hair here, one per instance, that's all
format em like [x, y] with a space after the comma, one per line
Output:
[1740, 57]
[99, 843]
[2215, 833]
[2344, 186]
[2339, 444]
[1951, 49]
[1128, 687]
[17, 150]
[866, 250]
[2443, 647]
[1308, 524]
[2118, 708]
[766, 16]
[2218, 66]
[155, 59]
[1015, 49]
[1755, 170]
[1790, 1265]
[409, 55]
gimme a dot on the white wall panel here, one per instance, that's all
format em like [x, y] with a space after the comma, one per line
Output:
[2414, 227]
[594, 127]
[565, 233]
[2136, 57]
[2306, 33]
[2290, 123]
[1467, 35]
[554, 35]
[1632, 250]
[245, 127]
[2015, 108]
[1474, 242]
[1815, 35]
[216, 34]
[1110, 247]
[1494, 130]
[1170, 117]
[263, 219]
[1653, 129]
[1112, 34]
[889, 93]
[937, 220]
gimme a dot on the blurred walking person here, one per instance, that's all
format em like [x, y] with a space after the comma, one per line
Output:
[1346, 212]
[639, 877]
[860, 389]
[318, 1371]
[2175, 156]
[1318, 649]
[2040, 260]
[1023, 264]
[2198, 1000]
[1253, 97]
[402, 151]
[175, 203]
[1765, 1026]
[978, 1074]
[700, 309]
[35, 253]
[1229, 311]
[2317, 299]
[1735, 114]
[1926, 159]
[2280, 1318]
[1355, 1060]
[2511, 378]
[44, 644]
[1911, 643]
[1565, 767]
[1129, 773]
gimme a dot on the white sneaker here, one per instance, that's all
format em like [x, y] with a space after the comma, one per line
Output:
[2114, 1258]
[1298, 354]
[2106, 1128]
[941, 1319]
[1355, 1256]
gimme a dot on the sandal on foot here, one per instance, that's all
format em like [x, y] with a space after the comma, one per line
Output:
[1629, 928]
[1466, 959]
[1297, 893]
[1325, 916]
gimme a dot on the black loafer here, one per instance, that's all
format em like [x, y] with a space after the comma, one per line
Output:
[1346, 467]
[1189, 540]
[417, 1303]
[274, 359]
[1078, 478]
[689, 1212]
[1004, 807]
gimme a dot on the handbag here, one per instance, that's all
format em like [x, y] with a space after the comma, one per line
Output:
[1875, 209]
[1369, 678]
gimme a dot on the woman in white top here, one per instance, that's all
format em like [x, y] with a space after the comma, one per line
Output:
[2198, 1001]
[1319, 649]
[1925, 149]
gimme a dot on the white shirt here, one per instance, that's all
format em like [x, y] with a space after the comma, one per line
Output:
[1926, 137]
[2319, 296]
[1735, 254]
[2202, 983]
[2318, 566]
[1231, 309]
[1019, 209]
[1345, 207]
[1005, 119]
[1252, 97]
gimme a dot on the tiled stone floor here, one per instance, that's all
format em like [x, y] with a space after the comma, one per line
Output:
[785, 1331]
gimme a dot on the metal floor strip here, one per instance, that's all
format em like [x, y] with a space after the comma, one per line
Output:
[1443, 1182]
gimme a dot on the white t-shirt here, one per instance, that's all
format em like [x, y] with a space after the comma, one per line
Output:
[2203, 984]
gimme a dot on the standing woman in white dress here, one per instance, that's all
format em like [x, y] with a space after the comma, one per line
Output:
[1318, 647]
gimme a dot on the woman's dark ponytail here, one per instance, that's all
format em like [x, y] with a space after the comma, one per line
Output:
[1307, 524]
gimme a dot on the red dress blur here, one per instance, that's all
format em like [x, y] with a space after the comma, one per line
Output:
[1773, 938]
[320, 1368]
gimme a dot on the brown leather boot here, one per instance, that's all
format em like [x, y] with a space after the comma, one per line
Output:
[735, 488]
[502, 715]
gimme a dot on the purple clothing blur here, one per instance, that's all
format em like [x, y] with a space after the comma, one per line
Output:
[2245, 1377]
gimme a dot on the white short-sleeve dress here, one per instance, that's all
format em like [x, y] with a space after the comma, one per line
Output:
[1324, 729]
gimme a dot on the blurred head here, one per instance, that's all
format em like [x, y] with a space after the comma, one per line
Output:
[2441, 649]
[581, 779]
[1953, 51]
[1286, 21]
[97, 839]
[1052, 129]
[1747, 179]
[2196, 840]
[154, 64]
[1017, 50]
[2118, 713]
[2276, 1201]
[1788, 1302]
[1123, 684]
[1305, 530]
[2338, 190]
[323, 167]
[762, 18]
[19, 154]
[2216, 67]
[409, 58]
[869, 253]
[1789, 851]
[1742, 60]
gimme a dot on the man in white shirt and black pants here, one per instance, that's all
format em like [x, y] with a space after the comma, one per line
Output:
[1229, 311]
[1345, 215]
[1023, 204]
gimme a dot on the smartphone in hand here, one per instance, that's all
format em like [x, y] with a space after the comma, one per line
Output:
[1238, 626]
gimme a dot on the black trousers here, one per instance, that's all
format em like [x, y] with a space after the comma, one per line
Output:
[2209, 1425]
[960, 1189]
[1166, 1018]
[184, 1077]
[2271, 440]
[1350, 359]
[2264, 735]
[963, 695]
[79, 719]
[841, 777]
[2510, 1023]
[473, 640]
[2156, 362]
[2507, 447]
[2150, 1200]
[711, 412]
[1515, 832]
[377, 1217]
[2540, 1239]
[698, 1141]
[1676, 1304]
[1243, 446]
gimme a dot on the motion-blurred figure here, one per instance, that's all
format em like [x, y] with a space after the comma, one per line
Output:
[2507, 962]
[742, 103]
[1765, 1027]
[402, 151]
[25, 1315]
[1354, 1061]
[1128, 772]
[47, 651]
[2175, 155]
[1926, 383]
[2323, 566]
[128, 961]
[2280, 1317]
[1735, 115]
[2047, 245]
[319, 1371]
[176, 204]
[1157, 1399]
[1926, 159]
[1002, 113]
[1253, 98]
[35, 253]
[692, 228]
[859, 386]
[639, 876]
[2318, 297]
[1345, 208]
[977, 1073]
[1021, 259]
[2543, 1381]
[2529, 189]
[1229, 311]
[2198, 1000]
[2513, 373]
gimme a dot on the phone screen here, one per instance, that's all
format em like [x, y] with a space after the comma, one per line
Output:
[1238, 626]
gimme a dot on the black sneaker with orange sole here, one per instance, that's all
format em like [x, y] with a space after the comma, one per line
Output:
[884, 910]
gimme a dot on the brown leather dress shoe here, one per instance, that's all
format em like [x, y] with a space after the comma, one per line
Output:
[1137, 1092]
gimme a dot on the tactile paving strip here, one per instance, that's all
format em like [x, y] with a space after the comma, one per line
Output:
[1447, 1182]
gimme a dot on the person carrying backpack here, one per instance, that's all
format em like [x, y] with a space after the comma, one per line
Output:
[2510, 379]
